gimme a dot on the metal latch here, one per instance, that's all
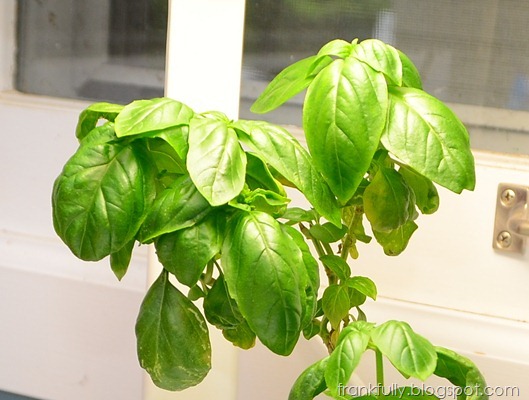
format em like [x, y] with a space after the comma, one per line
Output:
[511, 225]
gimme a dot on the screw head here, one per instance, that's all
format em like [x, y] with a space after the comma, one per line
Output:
[504, 239]
[508, 196]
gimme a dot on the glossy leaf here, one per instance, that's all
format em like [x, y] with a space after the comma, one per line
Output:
[381, 57]
[395, 241]
[142, 116]
[409, 352]
[283, 152]
[172, 338]
[311, 382]
[327, 232]
[410, 74]
[215, 160]
[352, 344]
[177, 207]
[425, 134]
[343, 116]
[461, 372]
[364, 285]
[337, 265]
[292, 80]
[338, 47]
[241, 335]
[297, 214]
[335, 303]
[178, 138]
[387, 200]
[220, 309]
[100, 199]
[99, 135]
[185, 252]
[426, 196]
[258, 175]
[120, 260]
[264, 272]
[90, 116]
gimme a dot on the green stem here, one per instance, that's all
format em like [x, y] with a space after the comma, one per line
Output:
[379, 368]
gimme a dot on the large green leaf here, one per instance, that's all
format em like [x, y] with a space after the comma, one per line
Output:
[90, 116]
[186, 252]
[343, 116]
[283, 152]
[100, 199]
[336, 304]
[410, 74]
[425, 134]
[311, 382]
[387, 200]
[264, 272]
[352, 344]
[409, 352]
[288, 83]
[177, 207]
[381, 57]
[462, 372]
[172, 338]
[142, 116]
[215, 161]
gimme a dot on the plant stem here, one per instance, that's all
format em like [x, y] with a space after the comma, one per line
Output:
[379, 368]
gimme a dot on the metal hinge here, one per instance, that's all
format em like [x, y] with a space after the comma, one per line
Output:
[511, 225]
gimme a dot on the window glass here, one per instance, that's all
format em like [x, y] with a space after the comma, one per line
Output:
[110, 50]
[472, 52]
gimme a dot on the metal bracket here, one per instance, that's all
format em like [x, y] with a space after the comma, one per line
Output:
[511, 225]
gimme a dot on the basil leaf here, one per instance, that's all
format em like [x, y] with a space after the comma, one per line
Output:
[100, 199]
[410, 75]
[327, 232]
[99, 135]
[461, 372]
[343, 117]
[120, 260]
[241, 336]
[90, 116]
[311, 382]
[409, 352]
[282, 151]
[215, 161]
[292, 80]
[387, 200]
[258, 175]
[177, 207]
[426, 196]
[338, 47]
[425, 134]
[381, 57]
[143, 116]
[352, 344]
[395, 241]
[336, 304]
[172, 338]
[364, 285]
[261, 267]
[337, 265]
[185, 252]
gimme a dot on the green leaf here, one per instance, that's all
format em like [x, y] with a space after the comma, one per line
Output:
[172, 338]
[220, 309]
[241, 335]
[410, 75]
[100, 199]
[178, 138]
[120, 260]
[258, 175]
[311, 382]
[297, 214]
[262, 270]
[409, 352]
[185, 252]
[327, 232]
[337, 47]
[425, 134]
[215, 161]
[461, 372]
[143, 116]
[99, 135]
[352, 344]
[289, 82]
[282, 151]
[364, 285]
[177, 207]
[395, 241]
[336, 304]
[381, 57]
[426, 196]
[337, 265]
[387, 200]
[343, 116]
[90, 116]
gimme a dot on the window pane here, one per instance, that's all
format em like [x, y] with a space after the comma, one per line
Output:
[470, 52]
[98, 50]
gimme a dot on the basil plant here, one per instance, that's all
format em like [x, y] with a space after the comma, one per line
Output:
[213, 196]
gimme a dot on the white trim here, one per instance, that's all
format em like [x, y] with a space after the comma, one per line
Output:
[7, 44]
